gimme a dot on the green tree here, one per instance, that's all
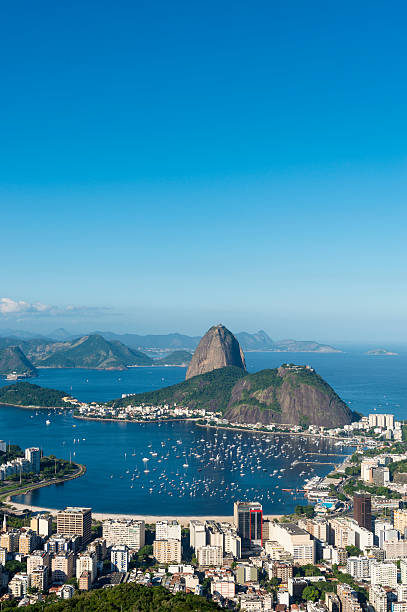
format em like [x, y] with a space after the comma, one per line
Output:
[310, 593]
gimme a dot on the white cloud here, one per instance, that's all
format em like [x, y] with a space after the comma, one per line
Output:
[10, 308]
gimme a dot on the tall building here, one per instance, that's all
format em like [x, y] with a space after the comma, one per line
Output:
[167, 551]
[383, 574]
[86, 562]
[362, 510]
[296, 541]
[39, 578]
[38, 558]
[122, 531]
[75, 521]
[359, 567]
[400, 520]
[210, 556]
[10, 540]
[167, 530]
[28, 542]
[403, 571]
[197, 534]
[119, 559]
[33, 455]
[19, 585]
[248, 520]
[42, 524]
[62, 566]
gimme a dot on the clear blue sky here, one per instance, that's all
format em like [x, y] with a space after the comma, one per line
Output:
[169, 165]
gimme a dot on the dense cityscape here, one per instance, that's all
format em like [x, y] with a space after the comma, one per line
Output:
[345, 551]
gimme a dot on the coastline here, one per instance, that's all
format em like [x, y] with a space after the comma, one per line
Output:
[148, 518]
[7, 497]
[82, 418]
[36, 407]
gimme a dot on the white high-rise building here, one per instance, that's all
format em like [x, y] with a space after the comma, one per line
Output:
[403, 571]
[167, 530]
[197, 534]
[359, 567]
[119, 558]
[122, 531]
[383, 574]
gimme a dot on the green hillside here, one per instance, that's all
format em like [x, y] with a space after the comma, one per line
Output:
[95, 352]
[128, 597]
[13, 360]
[210, 391]
[26, 394]
[177, 358]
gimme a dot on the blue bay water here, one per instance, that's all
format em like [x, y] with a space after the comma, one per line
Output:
[191, 470]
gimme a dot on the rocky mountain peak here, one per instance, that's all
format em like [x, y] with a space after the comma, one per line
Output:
[217, 349]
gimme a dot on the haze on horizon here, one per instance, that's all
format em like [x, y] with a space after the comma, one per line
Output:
[169, 166]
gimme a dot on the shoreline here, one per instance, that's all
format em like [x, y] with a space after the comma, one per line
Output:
[65, 408]
[7, 498]
[148, 518]
[82, 418]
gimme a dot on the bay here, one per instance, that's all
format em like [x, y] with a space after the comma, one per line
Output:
[229, 465]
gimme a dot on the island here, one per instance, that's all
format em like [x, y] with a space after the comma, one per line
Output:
[380, 351]
[27, 395]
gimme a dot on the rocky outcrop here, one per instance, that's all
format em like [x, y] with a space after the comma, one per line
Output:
[217, 349]
[294, 395]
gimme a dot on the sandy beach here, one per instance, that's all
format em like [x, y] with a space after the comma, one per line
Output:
[102, 516]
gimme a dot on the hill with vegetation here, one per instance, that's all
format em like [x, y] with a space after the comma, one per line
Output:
[27, 394]
[95, 352]
[177, 358]
[210, 391]
[290, 394]
[13, 360]
[128, 597]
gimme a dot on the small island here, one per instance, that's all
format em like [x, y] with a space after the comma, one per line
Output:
[27, 395]
[380, 351]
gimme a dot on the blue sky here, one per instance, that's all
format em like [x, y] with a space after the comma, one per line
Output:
[169, 165]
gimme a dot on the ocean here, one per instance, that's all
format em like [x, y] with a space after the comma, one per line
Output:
[180, 468]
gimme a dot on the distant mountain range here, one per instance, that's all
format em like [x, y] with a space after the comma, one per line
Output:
[93, 352]
[107, 350]
[259, 341]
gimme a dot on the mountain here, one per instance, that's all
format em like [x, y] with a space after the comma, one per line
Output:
[94, 352]
[290, 394]
[154, 341]
[255, 342]
[294, 395]
[302, 346]
[60, 334]
[217, 349]
[259, 341]
[177, 358]
[13, 360]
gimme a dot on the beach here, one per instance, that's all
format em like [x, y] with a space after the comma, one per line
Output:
[148, 518]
